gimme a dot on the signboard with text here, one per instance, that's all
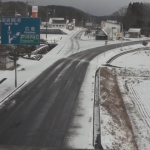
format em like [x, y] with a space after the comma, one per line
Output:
[89, 24]
[119, 35]
[20, 31]
[35, 11]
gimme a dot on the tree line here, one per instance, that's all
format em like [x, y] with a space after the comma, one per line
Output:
[136, 15]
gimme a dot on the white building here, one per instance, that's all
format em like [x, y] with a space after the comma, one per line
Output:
[43, 24]
[134, 32]
[57, 23]
[54, 23]
[111, 28]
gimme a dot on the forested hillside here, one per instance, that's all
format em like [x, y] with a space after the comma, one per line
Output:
[136, 15]
[9, 9]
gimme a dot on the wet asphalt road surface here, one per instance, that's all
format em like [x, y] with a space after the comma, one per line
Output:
[39, 114]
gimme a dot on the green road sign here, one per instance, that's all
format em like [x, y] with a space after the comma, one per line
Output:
[20, 31]
[28, 38]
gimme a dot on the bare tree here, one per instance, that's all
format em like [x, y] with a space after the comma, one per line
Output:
[119, 15]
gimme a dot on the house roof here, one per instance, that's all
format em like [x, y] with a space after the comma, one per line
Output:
[102, 33]
[114, 23]
[59, 22]
[134, 30]
[57, 18]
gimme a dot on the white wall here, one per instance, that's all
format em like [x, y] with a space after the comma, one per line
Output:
[107, 27]
[59, 26]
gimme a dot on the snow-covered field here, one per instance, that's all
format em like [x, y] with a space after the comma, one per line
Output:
[138, 59]
[134, 86]
[134, 83]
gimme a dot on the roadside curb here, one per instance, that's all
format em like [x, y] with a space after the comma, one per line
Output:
[12, 92]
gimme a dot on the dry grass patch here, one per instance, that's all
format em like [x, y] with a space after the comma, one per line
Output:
[119, 125]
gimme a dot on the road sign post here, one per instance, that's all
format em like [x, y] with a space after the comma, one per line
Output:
[15, 67]
[20, 31]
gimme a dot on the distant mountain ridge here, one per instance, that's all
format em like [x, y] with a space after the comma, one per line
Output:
[9, 9]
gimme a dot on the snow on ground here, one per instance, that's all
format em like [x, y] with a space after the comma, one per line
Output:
[81, 137]
[138, 59]
[134, 83]
[88, 41]
[136, 39]
[32, 68]
[67, 45]
[135, 86]
[116, 131]
[84, 117]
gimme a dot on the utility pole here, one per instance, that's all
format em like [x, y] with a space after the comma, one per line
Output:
[54, 13]
[15, 68]
[47, 13]
[112, 32]
[122, 36]
[27, 2]
[0, 14]
[46, 25]
[13, 47]
[27, 8]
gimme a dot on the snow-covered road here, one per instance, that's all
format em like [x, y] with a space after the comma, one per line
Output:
[82, 49]
[67, 45]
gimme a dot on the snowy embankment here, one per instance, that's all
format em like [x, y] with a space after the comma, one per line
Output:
[82, 137]
[116, 129]
[124, 136]
[139, 59]
[134, 82]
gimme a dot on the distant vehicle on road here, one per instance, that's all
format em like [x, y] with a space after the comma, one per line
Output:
[70, 26]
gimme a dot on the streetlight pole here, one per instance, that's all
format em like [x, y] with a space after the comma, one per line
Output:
[122, 36]
[27, 2]
[47, 13]
[13, 47]
[0, 14]
[15, 68]
[112, 32]
[46, 27]
[27, 8]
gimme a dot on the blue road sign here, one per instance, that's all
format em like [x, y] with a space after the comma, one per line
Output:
[20, 31]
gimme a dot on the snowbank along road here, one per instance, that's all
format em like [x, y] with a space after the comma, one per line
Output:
[41, 113]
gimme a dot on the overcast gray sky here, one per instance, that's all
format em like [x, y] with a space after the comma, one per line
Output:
[95, 7]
